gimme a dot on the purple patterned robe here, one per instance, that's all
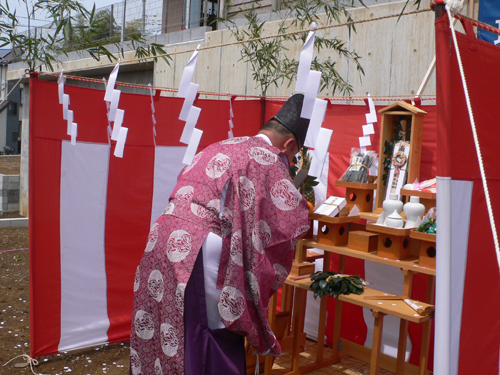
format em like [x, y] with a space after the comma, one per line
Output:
[263, 217]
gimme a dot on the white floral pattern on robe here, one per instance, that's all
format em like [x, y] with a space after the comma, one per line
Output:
[264, 216]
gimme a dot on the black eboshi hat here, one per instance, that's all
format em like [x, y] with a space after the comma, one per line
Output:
[289, 117]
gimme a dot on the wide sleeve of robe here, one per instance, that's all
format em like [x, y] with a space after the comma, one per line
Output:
[265, 216]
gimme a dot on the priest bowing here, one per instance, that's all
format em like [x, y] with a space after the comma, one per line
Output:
[222, 247]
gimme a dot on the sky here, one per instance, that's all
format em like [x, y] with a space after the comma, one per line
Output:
[99, 4]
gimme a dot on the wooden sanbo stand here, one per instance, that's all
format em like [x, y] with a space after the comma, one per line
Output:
[393, 243]
[333, 237]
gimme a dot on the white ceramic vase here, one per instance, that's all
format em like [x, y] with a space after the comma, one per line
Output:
[389, 205]
[413, 211]
[394, 220]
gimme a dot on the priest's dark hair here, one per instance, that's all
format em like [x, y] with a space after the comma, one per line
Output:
[276, 126]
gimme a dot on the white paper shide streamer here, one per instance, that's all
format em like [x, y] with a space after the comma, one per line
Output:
[312, 90]
[74, 133]
[60, 84]
[115, 100]
[314, 109]
[115, 114]
[192, 146]
[191, 91]
[120, 143]
[305, 60]
[65, 103]
[187, 74]
[120, 113]
[371, 117]
[111, 83]
[68, 115]
[368, 129]
[192, 119]
[320, 152]
[69, 119]
[189, 113]
[317, 118]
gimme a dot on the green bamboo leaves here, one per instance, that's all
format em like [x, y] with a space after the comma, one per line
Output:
[269, 59]
[70, 27]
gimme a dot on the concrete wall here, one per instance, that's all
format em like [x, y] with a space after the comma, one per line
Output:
[395, 58]
[9, 193]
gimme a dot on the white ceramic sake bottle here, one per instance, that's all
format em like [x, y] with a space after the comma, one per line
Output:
[389, 205]
[413, 211]
[394, 220]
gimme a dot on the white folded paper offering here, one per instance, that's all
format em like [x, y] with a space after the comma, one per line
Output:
[331, 207]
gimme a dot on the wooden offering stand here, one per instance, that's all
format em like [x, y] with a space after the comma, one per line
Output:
[379, 307]
[393, 243]
[295, 295]
[363, 241]
[334, 237]
[359, 194]
[427, 249]
[425, 242]
[333, 230]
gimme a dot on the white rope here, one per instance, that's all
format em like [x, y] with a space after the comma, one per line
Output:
[29, 362]
[451, 6]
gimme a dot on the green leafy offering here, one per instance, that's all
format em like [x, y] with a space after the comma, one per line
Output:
[429, 223]
[335, 284]
[304, 162]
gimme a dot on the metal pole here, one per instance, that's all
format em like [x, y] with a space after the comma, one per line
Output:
[111, 22]
[123, 19]
[205, 11]
[471, 8]
[143, 18]
[3, 73]
[188, 18]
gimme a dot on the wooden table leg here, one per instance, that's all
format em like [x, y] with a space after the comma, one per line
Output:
[424, 351]
[338, 310]
[287, 304]
[403, 335]
[268, 365]
[407, 283]
[377, 342]
[403, 325]
[287, 298]
[321, 329]
[299, 310]
[300, 252]
[426, 329]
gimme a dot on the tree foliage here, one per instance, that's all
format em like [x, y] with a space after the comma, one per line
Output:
[105, 28]
[71, 27]
[268, 58]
